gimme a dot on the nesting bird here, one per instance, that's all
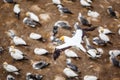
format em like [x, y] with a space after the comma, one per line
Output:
[111, 12]
[71, 54]
[40, 51]
[63, 24]
[56, 2]
[36, 36]
[84, 3]
[16, 54]
[71, 66]
[33, 17]
[83, 21]
[11, 68]
[40, 65]
[17, 10]
[70, 73]
[90, 77]
[93, 14]
[98, 41]
[30, 76]
[63, 10]
[10, 77]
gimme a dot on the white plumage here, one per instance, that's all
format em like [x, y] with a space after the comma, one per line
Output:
[40, 51]
[16, 53]
[119, 31]
[84, 3]
[69, 73]
[16, 9]
[114, 52]
[93, 14]
[32, 16]
[10, 77]
[10, 68]
[70, 53]
[104, 37]
[18, 41]
[90, 77]
[57, 2]
[35, 36]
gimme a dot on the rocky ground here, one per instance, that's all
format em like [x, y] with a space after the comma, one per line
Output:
[101, 68]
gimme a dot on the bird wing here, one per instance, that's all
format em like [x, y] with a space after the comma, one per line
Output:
[11, 68]
[80, 46]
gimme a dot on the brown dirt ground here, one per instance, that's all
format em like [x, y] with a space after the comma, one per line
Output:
[100, 67]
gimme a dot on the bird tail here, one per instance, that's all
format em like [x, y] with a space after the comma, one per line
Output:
[17, 15]
[42, 40]
[56, 54]
[110, 43]
[17, 72]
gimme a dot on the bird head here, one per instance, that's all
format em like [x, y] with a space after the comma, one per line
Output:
[59, 6]
[109, 7]
[28, 14]
[17, 5]
[62, 38]
[5, 64]
[12, 49]
[68, 60]
[80, 15]
[101, 29]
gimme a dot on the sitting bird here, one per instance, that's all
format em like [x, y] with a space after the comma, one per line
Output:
[11, 68]
[10, 77]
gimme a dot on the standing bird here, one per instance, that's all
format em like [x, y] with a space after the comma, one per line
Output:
[111, 12]
[10, 77]
[11, 68]
[83, 20]
[63, 10]
[17, 10]
[33, 17]
[56, 2]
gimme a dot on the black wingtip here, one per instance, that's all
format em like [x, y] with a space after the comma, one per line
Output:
[56, 54]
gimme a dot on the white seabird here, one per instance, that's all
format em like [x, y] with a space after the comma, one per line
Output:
[83, 21]
[10, 68]
[69, 73]
[74, 41]
[63, 10]
[111, 12]
[91, 51]
[19, 41]
[40, 51]
[105, 30]
[16, 53]
[29, 22]
[114, 52]
[98, 41]
[56, 2]
[63, 24]
[90, 77]
[93, 14]
[71, 54]
[10, 77]
[85, 3]
[103, 36]
[17, 10]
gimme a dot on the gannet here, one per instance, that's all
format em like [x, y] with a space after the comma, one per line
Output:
[39, 64]
[69, 73]
[63, 10]
[33, 17]
[56, 2]
[17, 10]
[71, 66]
[10, 68]
[17, 54]
[105, 30]
[85, 3]
[91, 51]
[71, 54]
[90, 77]
[114, 52]
[63, 24]
[114, 60]
[69, 42]
[19, 41]
[29, 22]
[98, 41]
[83, 20]
[40, 51]
[36, 36]
[10, 77]
[93, 14]
[30, 76]
[111, 12]
[9, 1]
[104, 37]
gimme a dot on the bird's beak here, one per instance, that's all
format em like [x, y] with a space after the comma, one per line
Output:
[27, 14]
[5, 63]
[62, 38]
